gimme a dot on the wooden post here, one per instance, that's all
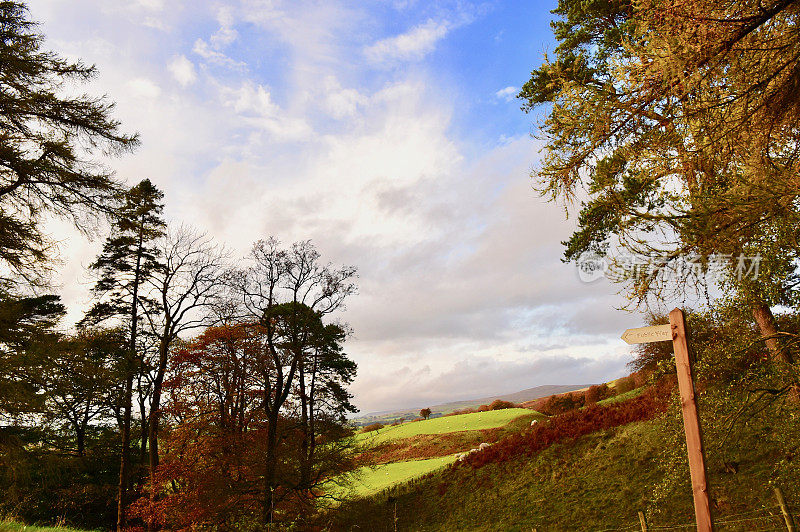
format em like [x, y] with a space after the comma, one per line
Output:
[784, 510]
[691, 424]
[643, 521]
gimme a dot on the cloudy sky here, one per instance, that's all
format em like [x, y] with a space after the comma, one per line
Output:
[388, 133]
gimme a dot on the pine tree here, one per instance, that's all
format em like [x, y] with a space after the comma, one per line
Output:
[47, 141]
[25, 324]
[664, 114]
[129, 257]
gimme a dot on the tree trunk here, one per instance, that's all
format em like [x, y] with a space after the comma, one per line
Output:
[155, 414]
[769, 329]
[269, 475]
[305, 463]
[125, 459]
[80, 437]
[143, 430]
[766, 324]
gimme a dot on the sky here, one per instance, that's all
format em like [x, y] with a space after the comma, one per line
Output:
[388, 133]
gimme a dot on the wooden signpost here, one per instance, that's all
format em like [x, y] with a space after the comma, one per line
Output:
[676, 331]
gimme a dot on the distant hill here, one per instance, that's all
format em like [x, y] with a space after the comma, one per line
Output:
[521, 396]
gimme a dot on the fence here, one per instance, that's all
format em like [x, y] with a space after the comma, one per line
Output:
[776, 518]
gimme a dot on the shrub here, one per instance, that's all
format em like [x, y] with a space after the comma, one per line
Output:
[499, 404]
[558, 404]
[371, 427]
[597, 393]
[625, 384]
[639, 378]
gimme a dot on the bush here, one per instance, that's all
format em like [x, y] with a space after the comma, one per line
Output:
[558, 404]
[499, 404]
[597, 393]
[624, 385]
[371, 427]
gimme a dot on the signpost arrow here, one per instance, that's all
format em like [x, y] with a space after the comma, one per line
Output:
[644, 335]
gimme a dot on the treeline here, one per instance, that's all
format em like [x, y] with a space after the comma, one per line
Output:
[195, 390]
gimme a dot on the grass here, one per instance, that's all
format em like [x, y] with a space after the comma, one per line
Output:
[14, 526]
[443, 425]
[370, 480]
[434, 445]
[590, 482]
[596, 482]
[623, 396]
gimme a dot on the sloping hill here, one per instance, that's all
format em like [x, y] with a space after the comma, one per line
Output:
[529, 394]
[401, 453]
[589, 469]
[442, 425]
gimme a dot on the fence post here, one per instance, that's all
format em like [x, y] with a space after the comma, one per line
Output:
[784, 510]
[643, 521]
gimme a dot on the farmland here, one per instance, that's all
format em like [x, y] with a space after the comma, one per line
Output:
[445, 424]
[403, 452]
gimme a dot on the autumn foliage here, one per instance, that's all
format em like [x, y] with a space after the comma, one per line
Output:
[597, 393]
[212, 468]
[573, 424]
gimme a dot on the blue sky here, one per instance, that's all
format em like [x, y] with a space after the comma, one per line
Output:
[387, 133]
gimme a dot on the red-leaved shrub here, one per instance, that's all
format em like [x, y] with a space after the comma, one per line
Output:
[558, 404]
[597, 393]
[573, 424]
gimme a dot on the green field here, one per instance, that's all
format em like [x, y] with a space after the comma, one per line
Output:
[371, 480]
[441, 425]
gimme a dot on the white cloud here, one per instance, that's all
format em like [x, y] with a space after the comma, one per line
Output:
[508, 94]
[144, 88]
[414, 44]
[153, 5]
[182, 70]
[339, 102]
[254, 106]
[226, 33]
[212, 50]
[207, 52]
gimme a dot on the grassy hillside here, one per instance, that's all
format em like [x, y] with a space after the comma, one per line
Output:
[394, 455]
[521, 396]
[597, 481]
[371, 480]
[442, 425]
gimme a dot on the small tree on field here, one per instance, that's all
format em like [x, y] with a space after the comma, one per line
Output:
[425, 413]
